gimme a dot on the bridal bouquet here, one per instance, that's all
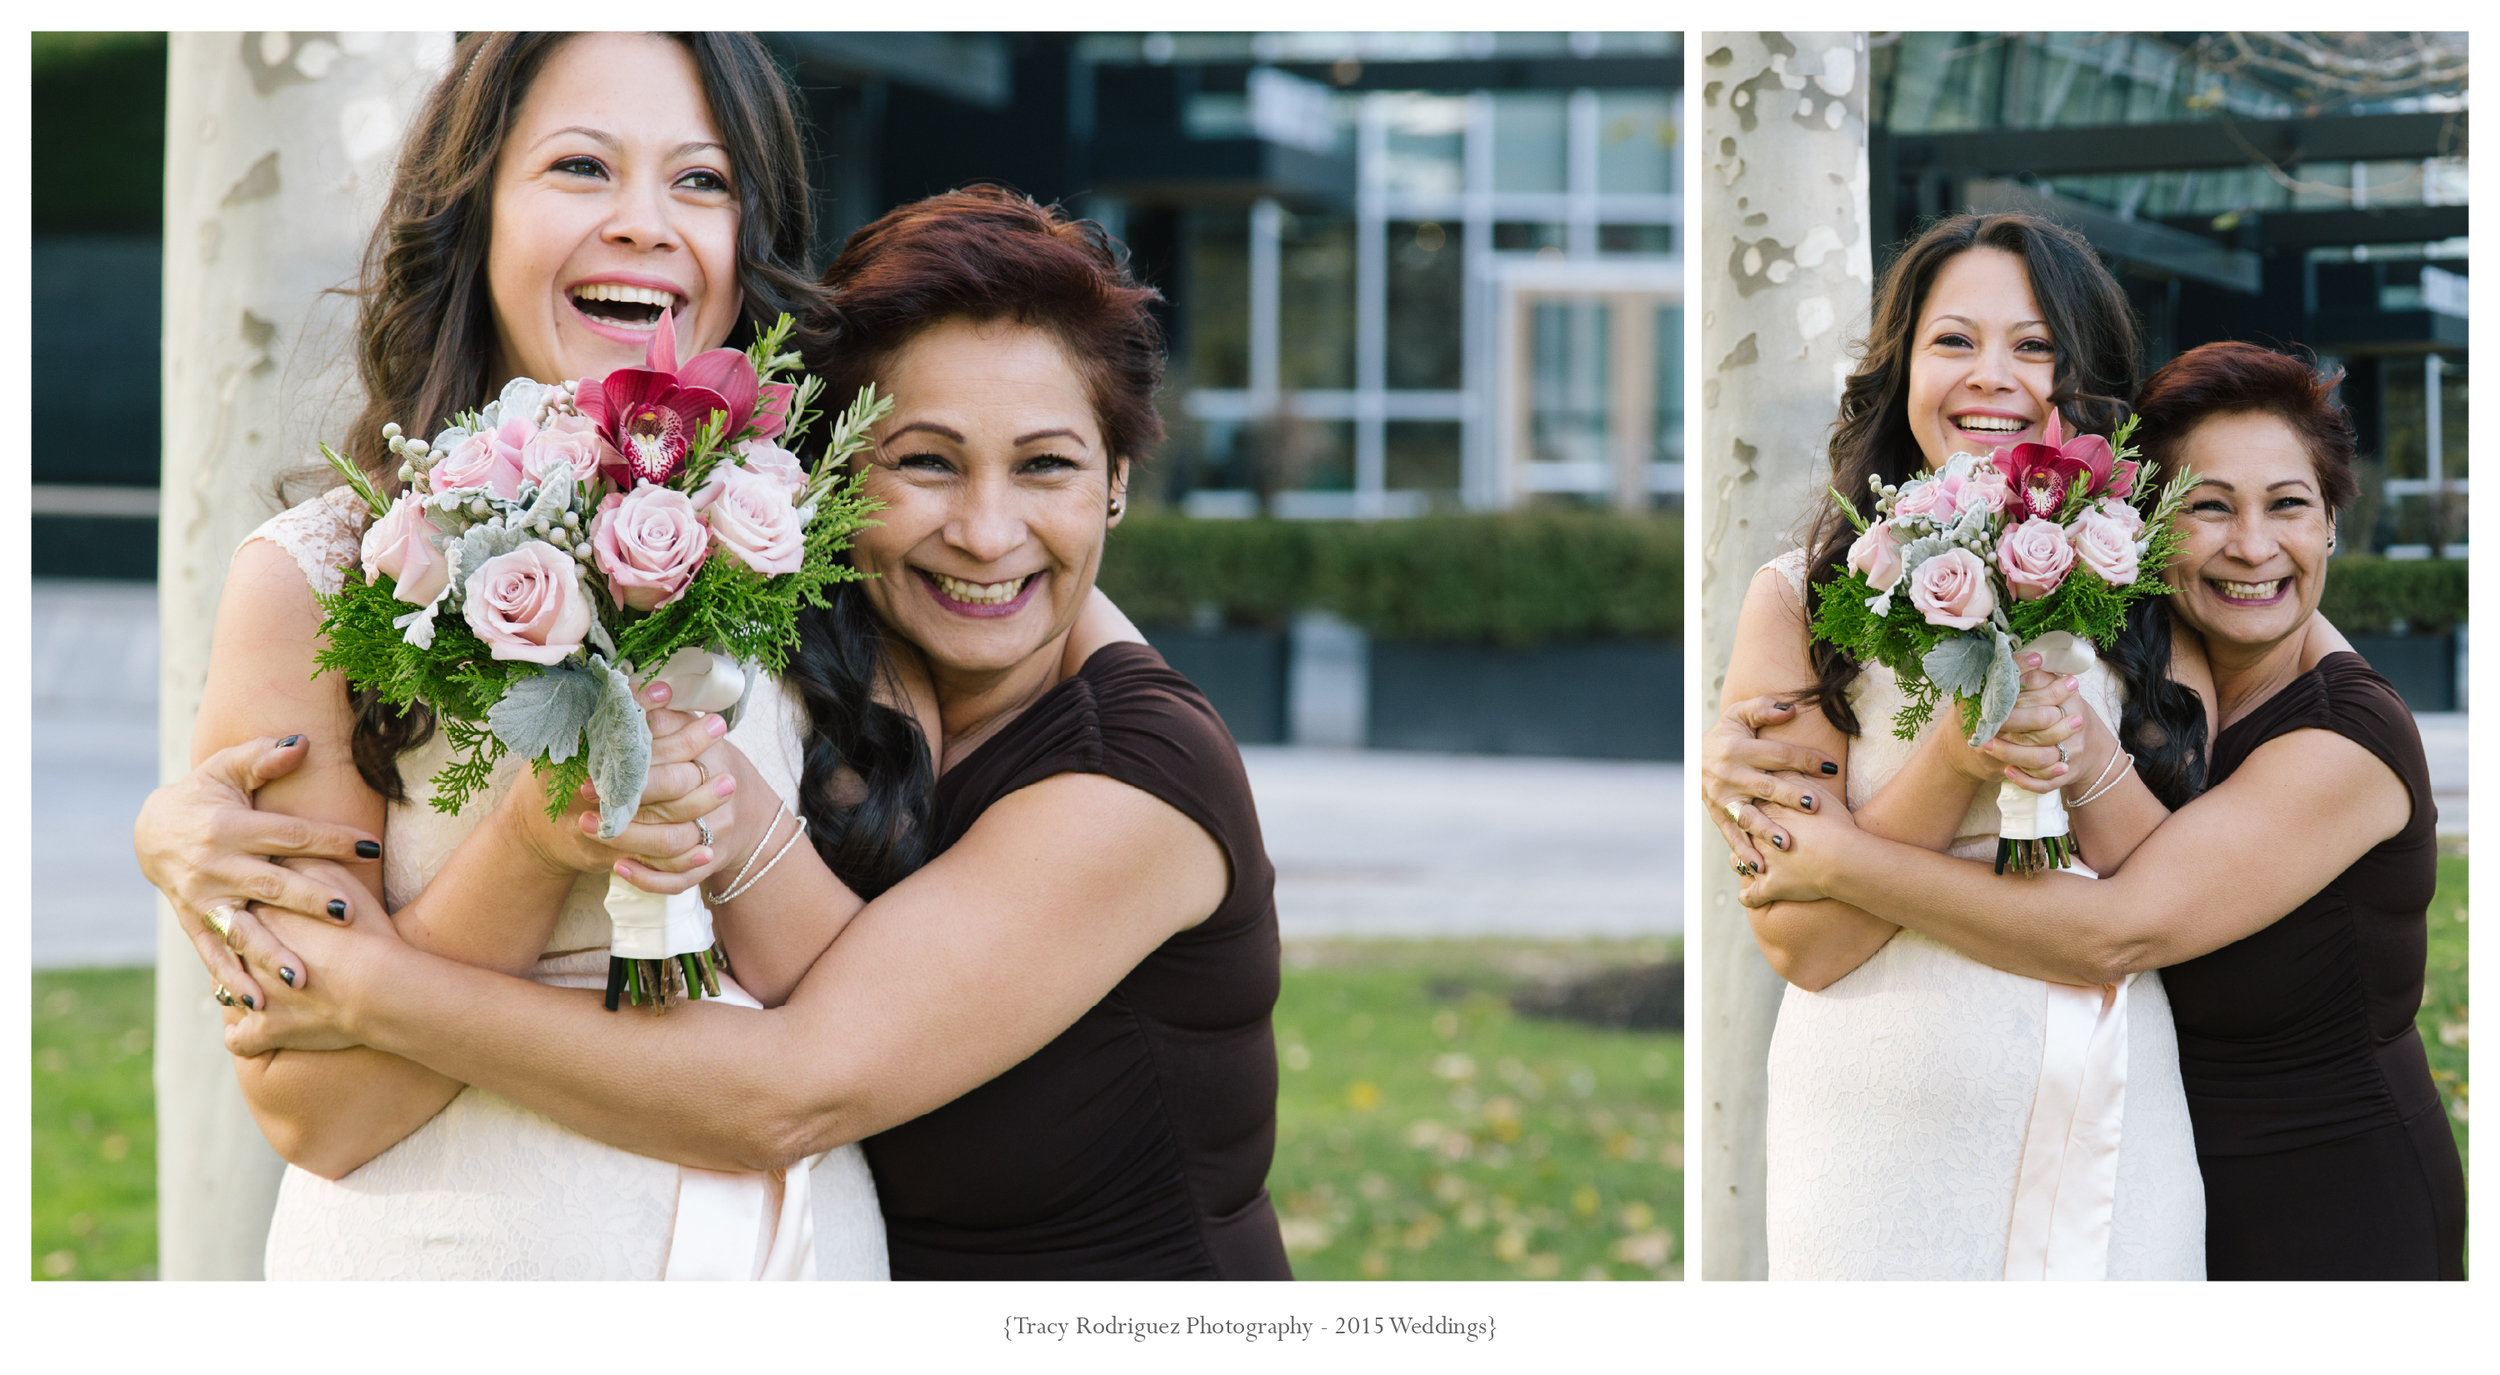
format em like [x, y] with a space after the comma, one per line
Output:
[2038, 547]
[566, 544]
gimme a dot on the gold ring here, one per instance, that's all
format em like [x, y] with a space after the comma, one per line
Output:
[1736, 812]
[220, 919]
[704, 768]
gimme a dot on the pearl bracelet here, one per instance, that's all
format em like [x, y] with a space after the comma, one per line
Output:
[769, 828]
[2113, 782]
[737, 888]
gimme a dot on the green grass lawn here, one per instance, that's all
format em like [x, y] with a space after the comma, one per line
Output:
[2443, 1015]
[94, 1114]
[1425, 1131]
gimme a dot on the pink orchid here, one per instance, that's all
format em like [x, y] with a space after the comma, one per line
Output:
[2042, 473]
[650, 414]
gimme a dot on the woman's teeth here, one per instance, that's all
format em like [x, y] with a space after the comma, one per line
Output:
[615, 301]
[981, 593]
[1991, 424]
[2248, 591]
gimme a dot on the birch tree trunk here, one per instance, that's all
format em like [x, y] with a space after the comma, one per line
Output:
[1784, 268]
[278, 151]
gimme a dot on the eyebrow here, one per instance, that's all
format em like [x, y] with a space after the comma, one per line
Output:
[1023, 439]
[2018, 324]
[2279, 482]
[608, 140]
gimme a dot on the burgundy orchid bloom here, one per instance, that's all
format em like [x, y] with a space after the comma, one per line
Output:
[650, 414]
[2042, 473]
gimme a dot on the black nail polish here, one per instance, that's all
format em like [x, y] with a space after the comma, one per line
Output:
[1830, 770]
[1806, 802]
[287, 974]
[338, 909]
[289, 742]
[1779, 842]
[246, 1000]
[368, 849]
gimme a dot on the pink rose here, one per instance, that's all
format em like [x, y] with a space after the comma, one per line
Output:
[773, 461]
[1985, 489]
[1877, 554]
[488, 461]
[752, 518]
[2124, 515]
[649, 542]
[1926, 497]
[2035, 557]
[400, 546]
[2106, 546]
[569, 440]
[1952, 590]
[529, 604]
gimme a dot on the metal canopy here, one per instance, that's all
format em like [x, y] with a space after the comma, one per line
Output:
[2145, 243]
[2087, 150]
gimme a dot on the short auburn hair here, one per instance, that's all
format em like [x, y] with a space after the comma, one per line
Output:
[2234, 379]
[985, 253]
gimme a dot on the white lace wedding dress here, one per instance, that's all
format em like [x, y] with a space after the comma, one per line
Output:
[1924, 1108]
[491, 1190]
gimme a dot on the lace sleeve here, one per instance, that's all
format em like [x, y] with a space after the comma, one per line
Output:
[1792, 566]
[324, 535]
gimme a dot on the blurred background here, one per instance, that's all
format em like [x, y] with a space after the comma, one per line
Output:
[1418, 533]
[2305, 191]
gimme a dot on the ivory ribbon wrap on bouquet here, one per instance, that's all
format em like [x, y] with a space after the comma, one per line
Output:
[2064, 1195]
[653, 926]
[743, 1225]
[2023, 814]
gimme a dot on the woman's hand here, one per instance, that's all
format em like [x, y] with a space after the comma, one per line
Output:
[202, 844]
[304, 1017]
[2048, 713]
[1818, 837]
[687, 794]
[1738, 767]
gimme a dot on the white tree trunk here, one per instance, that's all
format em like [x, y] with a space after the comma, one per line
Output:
[278, 151]
[1784, 268]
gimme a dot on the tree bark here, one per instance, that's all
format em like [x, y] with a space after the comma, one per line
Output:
[278, 152]
[1784, 268]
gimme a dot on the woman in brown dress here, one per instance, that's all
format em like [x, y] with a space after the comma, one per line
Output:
[2285, 904]
[1047, 1017]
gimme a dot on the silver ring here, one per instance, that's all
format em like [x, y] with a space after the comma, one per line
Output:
[224, 998]
[2063, 756]
[703, 828]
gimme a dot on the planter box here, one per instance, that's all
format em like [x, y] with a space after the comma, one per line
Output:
[2423, 667]
[1242, 672]
[1589, 699]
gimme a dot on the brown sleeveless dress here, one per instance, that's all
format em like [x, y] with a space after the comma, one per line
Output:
[1136, 1145]
[2325, 1150]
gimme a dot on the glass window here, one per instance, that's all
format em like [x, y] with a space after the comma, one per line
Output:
[1426, 324]
[1215, 300]
[1521, 236]
[1315, 302]
[1636, 153]
[2404, 411]
[1567, 381]
[1292, 453]
[1667, 387]
[1422, 456]
[1636, 238]
[1529, 141]
[1426, 145]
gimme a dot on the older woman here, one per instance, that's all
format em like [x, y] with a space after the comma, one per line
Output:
[2285, 905]
[1047, 1015]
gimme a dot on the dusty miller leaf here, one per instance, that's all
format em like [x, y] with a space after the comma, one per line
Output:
[544, 716]
[1959, 664]
[620, 749]
[2004, 684]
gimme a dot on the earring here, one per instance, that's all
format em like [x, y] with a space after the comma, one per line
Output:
[1118, 504]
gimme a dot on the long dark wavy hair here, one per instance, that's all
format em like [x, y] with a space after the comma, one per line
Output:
[2093, 331]
[425, 325]
[980, 253]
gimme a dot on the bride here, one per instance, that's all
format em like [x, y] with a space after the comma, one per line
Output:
[555, 193]
[1931, 1117]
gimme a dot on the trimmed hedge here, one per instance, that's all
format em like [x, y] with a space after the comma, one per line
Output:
[1515, 579]
[2367, 595]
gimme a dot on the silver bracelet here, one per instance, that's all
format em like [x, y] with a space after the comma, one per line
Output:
[2121, 778]
[736, 889]
[769, 827]
[2116, 750]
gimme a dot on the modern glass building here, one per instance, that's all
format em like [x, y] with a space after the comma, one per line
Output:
[2304, 190]
[1405, 272]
